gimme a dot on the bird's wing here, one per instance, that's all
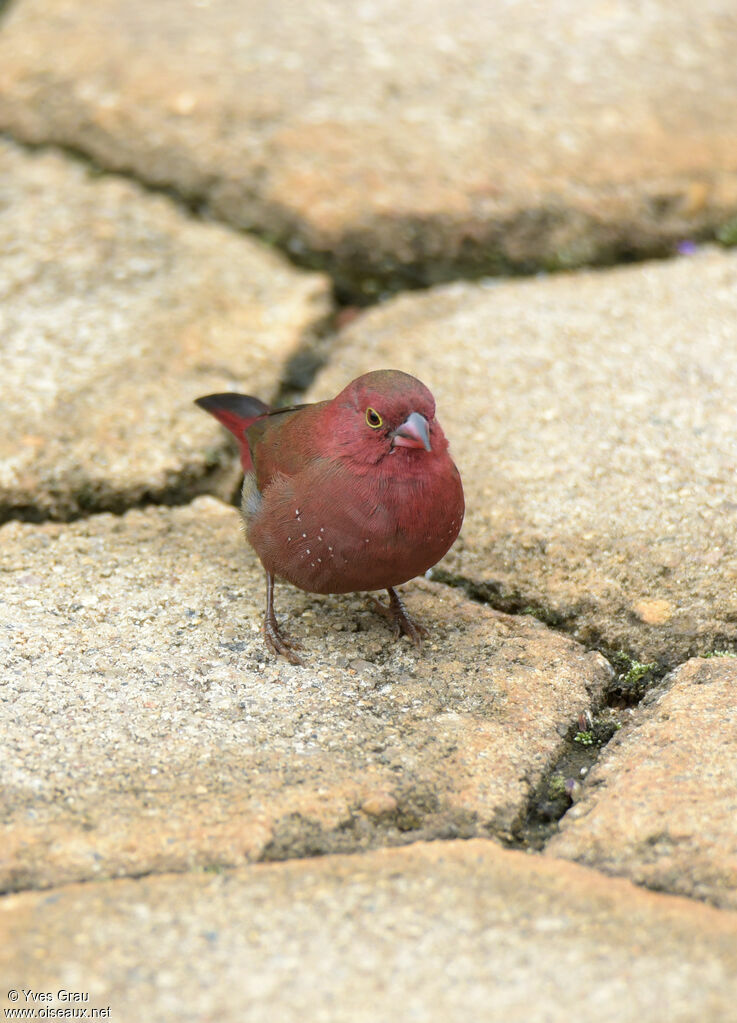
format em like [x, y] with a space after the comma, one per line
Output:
[282, 441]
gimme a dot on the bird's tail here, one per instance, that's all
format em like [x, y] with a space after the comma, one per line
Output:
[236, 412]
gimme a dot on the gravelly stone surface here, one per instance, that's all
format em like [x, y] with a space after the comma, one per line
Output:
[438, 932]
[661, 805]
[117, 309]
[592, 417]
[401, 142]
[144, 729]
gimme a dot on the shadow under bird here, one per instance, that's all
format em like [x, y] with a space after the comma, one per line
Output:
[355, 493]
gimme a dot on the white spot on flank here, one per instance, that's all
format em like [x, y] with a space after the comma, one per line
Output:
[307, 551]
[304, 535]
[296, 512]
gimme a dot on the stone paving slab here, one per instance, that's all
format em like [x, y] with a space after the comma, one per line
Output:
[660, 807]
[117, 309]
[144, 729]
[593, 418]
[400, 143]
[433, 932]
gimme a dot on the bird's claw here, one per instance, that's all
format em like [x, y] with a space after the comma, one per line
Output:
[409, 627]
[400, 619]
[278, 644]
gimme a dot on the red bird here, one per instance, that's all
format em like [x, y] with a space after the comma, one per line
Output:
[357, 493]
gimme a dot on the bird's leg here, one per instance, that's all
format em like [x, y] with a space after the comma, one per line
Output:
[400, 618]
[404, 621]
[274, 639]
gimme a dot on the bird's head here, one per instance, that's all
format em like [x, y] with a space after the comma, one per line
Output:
[384, 413]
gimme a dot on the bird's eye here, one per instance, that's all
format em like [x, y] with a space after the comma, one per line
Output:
[373, 418]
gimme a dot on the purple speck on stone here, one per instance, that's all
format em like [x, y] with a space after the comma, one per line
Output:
[687, 248]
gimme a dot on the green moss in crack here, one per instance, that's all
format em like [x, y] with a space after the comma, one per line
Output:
[605, 725]
[553, 619]
[584, 738]
[557, 787]
[727, 233]
[598, 730]
[633, 680]
[87, 497]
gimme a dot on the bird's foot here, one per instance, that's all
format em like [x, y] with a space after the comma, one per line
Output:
[278, 643]
[400, 618]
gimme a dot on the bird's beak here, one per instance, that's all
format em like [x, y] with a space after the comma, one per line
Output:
[413, 433]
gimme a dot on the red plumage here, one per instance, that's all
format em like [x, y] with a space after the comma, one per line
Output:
[356, 493]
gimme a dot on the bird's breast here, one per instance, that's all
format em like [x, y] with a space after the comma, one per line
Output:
[337, 531]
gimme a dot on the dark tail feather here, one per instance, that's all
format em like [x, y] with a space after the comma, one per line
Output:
[236, 412]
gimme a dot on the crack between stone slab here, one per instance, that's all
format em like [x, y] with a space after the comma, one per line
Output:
[561, 784]
[313, 846]
[364, 280]
[310, 354]
[585, 740]
[196, 203]
[513, 602]
[99, 499]
[295, 836]
[218, 868]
